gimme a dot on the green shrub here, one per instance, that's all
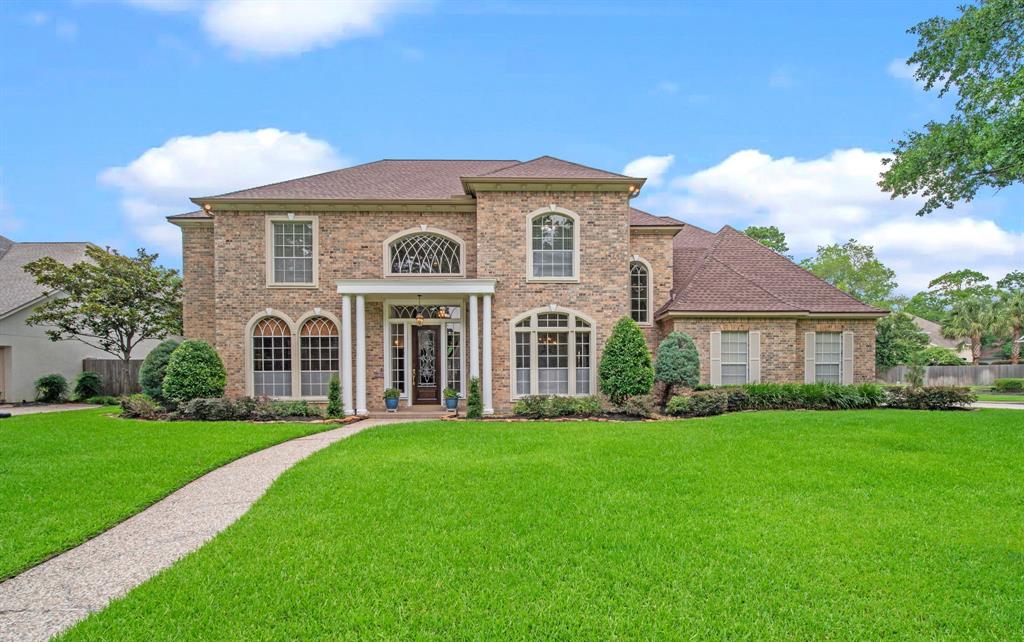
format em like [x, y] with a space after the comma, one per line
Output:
[140, 406]
[625, 369]
[678, 406]
[929, 397]
[474, 402]
[212, 409]
[87, 384]
[645, 406]
[737, 398]
[245, 409]
[872, 394]
[774, 396]
[1009, 385]
[677, 363]
[939, 356]
[194, 371]
[708, 402]
[703, 386]
[543, 407]
[51, 388]
[296, 408]
[154, 366]
[102, 400]
[334, 406]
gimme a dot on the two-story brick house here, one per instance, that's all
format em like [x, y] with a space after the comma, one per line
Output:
[419, 274]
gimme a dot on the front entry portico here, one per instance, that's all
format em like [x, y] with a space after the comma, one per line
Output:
[431, 335]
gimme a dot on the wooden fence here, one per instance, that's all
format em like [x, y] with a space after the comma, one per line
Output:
[956, 375]
[110, 371]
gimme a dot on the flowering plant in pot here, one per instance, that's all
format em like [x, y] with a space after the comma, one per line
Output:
[451, 398]
[391, 396]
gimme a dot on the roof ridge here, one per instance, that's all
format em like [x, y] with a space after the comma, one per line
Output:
[598, 169]
[755, 283]
[805, 270]
[289, 180]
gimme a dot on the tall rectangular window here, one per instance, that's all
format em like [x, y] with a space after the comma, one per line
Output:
[582, 363]
[828, 357]
[292, 246]
[272, 366]
[522, 363]
[734, 358]
[453, 338]
[398, 356]
[553, 243]
[552, 363]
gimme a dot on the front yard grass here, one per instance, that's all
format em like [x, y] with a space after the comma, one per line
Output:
[66, 476]
[1000, 397]
[778, 525]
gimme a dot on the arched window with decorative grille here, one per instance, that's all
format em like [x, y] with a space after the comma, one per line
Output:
[640, 292]
[424, 252]
[318, 357]
[552, 353]
[271, 358]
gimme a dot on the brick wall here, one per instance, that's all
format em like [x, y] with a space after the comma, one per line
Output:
[782, 343]
[197, 282]
[602, 292]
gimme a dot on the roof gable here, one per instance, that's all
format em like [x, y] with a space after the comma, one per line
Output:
[549, 167]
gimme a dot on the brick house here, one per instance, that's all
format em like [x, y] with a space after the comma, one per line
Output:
[419, 274]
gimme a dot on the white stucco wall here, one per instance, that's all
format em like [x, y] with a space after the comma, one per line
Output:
[28, 354]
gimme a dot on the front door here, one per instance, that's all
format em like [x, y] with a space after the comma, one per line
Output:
[426, 373]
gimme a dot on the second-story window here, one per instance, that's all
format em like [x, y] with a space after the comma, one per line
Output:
[292, 247]
[425, 253]
[553, 246]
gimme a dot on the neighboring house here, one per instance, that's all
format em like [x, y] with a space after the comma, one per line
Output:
[26, 353]
[419, 274]
[935, 338]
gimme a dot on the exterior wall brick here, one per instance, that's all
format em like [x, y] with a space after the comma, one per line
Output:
[198, 312]
[655, 247]
[782, 343]
[602, 292]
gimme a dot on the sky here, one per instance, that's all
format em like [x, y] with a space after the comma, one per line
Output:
[113, 114]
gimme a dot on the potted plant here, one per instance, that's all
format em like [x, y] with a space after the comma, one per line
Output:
[451, 398]
[391, 396]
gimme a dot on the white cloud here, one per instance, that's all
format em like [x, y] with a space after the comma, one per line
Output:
[898, 68]
[652, 168]
[159, 182]
[834, 198]
[62, 28]
[666, 87]
[268, 28]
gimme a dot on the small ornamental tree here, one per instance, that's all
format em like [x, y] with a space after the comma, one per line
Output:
[154, 367]
[677, 363]
[194, 371]
[334, 407]
[625, 370]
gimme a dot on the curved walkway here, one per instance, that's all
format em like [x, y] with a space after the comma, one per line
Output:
[52, 596]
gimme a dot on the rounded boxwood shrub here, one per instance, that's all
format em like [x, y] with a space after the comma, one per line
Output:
[193, 371]
[154, 366]
[51, 388]
[677, 363]
[87, 384]
[625, 370]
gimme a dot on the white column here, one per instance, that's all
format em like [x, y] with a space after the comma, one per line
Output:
[485, 381]
[474, 339]
[346, 353]
[361, 355]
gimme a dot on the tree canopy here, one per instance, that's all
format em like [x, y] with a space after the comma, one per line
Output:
[854, 268]
[770, 237]
[897, 339]
[978, 58]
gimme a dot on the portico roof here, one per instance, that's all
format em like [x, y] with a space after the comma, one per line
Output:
[415, 286]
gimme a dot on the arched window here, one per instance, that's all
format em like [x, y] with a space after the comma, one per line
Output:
[552, 353]
[554, 238]
[271, 358]
[640, 292]
[424, 253]
[318, 358]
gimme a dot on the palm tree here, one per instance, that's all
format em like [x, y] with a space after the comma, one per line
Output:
[1010, 313]
[970, 319]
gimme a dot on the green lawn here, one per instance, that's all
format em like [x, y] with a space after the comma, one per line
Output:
[1000, 397]
[67, 476]
[787, 525]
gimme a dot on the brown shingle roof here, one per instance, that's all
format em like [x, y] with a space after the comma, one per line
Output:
[190, 216]
[548, 167]
[640, 218]
[731, 272]
[17, 287]
[380, 180]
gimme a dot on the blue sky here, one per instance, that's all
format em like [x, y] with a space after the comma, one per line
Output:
[112, 114]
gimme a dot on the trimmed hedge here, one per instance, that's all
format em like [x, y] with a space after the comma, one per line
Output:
[245, 409]
[1009, 385]
[930, 398]
[194, 371]
[544, 407]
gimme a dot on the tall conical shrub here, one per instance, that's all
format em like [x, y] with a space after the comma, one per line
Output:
[677, 363]
[625, 369]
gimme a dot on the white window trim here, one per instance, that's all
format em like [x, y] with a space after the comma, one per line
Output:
[408, 324]
[650, 290]
[295, 328]
[828, 363]
[745, 364]
[421, 229]
[553, 209]
[269, 248]
[533, 330]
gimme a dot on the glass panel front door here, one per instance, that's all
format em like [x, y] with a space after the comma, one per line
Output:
[426, 374]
